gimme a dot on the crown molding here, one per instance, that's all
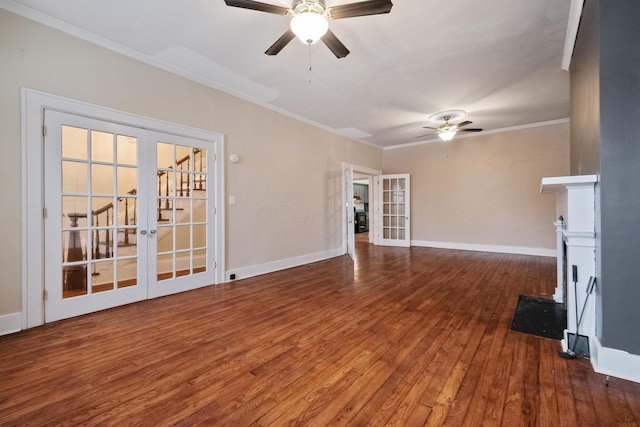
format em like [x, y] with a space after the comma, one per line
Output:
[575, 13]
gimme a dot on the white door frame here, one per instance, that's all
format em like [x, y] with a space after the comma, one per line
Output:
[33, 105]
[347, 205]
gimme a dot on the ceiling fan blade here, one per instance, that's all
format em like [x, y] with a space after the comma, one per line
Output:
[363, 8]
[259, 6]
[335, 45]
[280, 43]
[465, 123]
[469, 130]
[429, 127]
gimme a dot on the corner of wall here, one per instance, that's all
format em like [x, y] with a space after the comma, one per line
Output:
[617, 363]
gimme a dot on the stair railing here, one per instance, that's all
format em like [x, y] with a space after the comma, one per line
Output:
[104, 249]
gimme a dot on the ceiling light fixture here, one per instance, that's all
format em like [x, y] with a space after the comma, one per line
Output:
[309, 27]
[447, 131]
[309, 23]
[447, 135]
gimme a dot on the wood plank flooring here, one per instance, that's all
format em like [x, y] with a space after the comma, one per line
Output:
[401, 337]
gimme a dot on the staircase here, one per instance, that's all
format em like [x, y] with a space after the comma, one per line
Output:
[188, 181]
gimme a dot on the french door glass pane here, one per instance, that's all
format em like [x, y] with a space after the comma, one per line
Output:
[127, 272]
[102, 147]
[74, 143]
[74, 177]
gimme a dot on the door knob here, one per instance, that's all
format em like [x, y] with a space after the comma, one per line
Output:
[152, 231]
[143, 232]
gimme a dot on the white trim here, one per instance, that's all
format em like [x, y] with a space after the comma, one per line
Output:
[33, 105]
[575, 13]
[559, 184]
[283, 264]
[365, 170]
[558, 296]
[87, 36]
[617, 363]
[580, 238]
[517, 250]
[487, 132]
[32, 210]
[348, 209]
[220, 221]
[10, 323]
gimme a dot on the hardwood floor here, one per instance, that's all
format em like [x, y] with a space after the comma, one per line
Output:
[400, 337]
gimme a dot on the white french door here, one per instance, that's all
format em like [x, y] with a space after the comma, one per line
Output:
[127, 215]
[350, 213]
[183, 220]
[392, 210]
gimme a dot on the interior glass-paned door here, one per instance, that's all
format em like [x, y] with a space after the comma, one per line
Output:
[92, 256]
[184, 221]
[349, 206]
[394, 192]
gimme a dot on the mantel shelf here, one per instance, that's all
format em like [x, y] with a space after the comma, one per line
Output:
[557, 184]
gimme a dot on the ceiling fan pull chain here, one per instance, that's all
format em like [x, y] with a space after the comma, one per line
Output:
[309, 62]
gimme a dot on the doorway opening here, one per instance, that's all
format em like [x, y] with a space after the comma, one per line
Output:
[362, 209]
[389, 219]
[359, 219]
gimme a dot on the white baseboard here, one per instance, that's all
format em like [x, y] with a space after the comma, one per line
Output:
[10, 323]
[270, 267]
[558, 296]
[617, 363]
[517, 250]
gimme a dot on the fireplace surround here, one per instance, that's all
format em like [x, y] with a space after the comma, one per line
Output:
[576, 240]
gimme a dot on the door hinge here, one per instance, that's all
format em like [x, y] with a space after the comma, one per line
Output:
[215, 157]
[215, 211]
[44, 130]
[45, 295]
[44, 213]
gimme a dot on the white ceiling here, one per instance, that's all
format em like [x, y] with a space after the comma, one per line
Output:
[497, 59]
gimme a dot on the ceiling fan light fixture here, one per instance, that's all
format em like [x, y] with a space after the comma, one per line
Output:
[447, 135]
[309, 27]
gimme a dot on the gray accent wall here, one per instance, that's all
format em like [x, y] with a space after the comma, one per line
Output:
[584, 109]
[605, 139]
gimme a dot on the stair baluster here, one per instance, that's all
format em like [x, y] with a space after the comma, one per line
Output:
[109, 241]
[96, 236]
[166, 202]
[126, 220]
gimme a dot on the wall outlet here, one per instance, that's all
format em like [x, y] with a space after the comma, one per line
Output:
[232, 276]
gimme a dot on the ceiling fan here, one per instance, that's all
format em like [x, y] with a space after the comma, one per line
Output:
[447, 131]
[310, 21]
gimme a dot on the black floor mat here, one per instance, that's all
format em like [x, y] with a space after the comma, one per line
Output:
[539, 316]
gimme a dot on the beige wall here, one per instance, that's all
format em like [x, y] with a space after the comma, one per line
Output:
[485, 189]
[287, 183]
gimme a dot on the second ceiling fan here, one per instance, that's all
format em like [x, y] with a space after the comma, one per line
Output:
[310, 20]
[447, 131]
